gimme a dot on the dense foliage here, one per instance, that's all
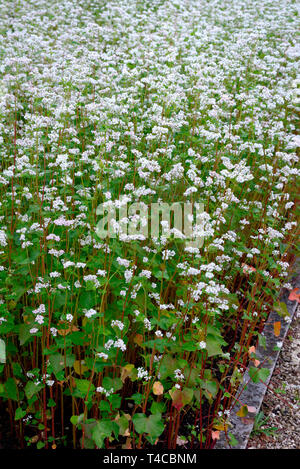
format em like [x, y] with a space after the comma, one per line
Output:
[133, 341]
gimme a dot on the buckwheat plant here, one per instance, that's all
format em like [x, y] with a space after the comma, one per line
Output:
[130, 340]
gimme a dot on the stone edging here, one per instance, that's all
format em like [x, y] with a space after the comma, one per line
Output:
[254, 393]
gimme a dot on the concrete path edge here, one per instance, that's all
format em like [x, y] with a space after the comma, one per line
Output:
[253, 394]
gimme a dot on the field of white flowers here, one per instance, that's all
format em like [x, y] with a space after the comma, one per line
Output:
[135, 341]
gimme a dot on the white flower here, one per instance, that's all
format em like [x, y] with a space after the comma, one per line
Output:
[179, 375]
[120, 344]
[109, 344]
[102, 355]
[147, 324]
[3, 238]
[118, 324]
[123, 262]
[142, 374]
[39, 318]
[89, 312]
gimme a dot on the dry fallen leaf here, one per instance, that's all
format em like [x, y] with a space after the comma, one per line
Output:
[251, 409]
[277, 327]
[250, 351]
[294, 295]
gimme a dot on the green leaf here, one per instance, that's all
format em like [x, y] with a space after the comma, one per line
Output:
[213, 345]
[258, 374]
[140, 423]
[19, 290]
[2, 351]
[123, 424]
[137, 398]
[167, 367]
[51, 403]
[263, 374]
[17, 369]
[181, 397]
[31, 388]
[11, 389]
[104, 406]
[151, 425]
[58, 361]
[84, 386]
[115, 401]
[188, 346]
[262, 341]
[155, 425]
[281, 309]
[76, 419]
[109, 383]
[23, 259]
[210, 388]
[233, 441]
[20, 413]
[87, 299]
[100, 431]
[24, 334]
[243, 411]
[157, 407]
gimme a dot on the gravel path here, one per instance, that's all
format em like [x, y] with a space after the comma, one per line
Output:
[282, 409]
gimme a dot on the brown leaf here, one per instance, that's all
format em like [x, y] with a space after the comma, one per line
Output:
[251, 409]
[67, 330]
[158, 388]
[127, 444]
[80, 367]
[250, 352]
[221, 426]
[138, 339]
[294, 295]
[128, 371]
[243, 411]
[277, 327]
[215, 435]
